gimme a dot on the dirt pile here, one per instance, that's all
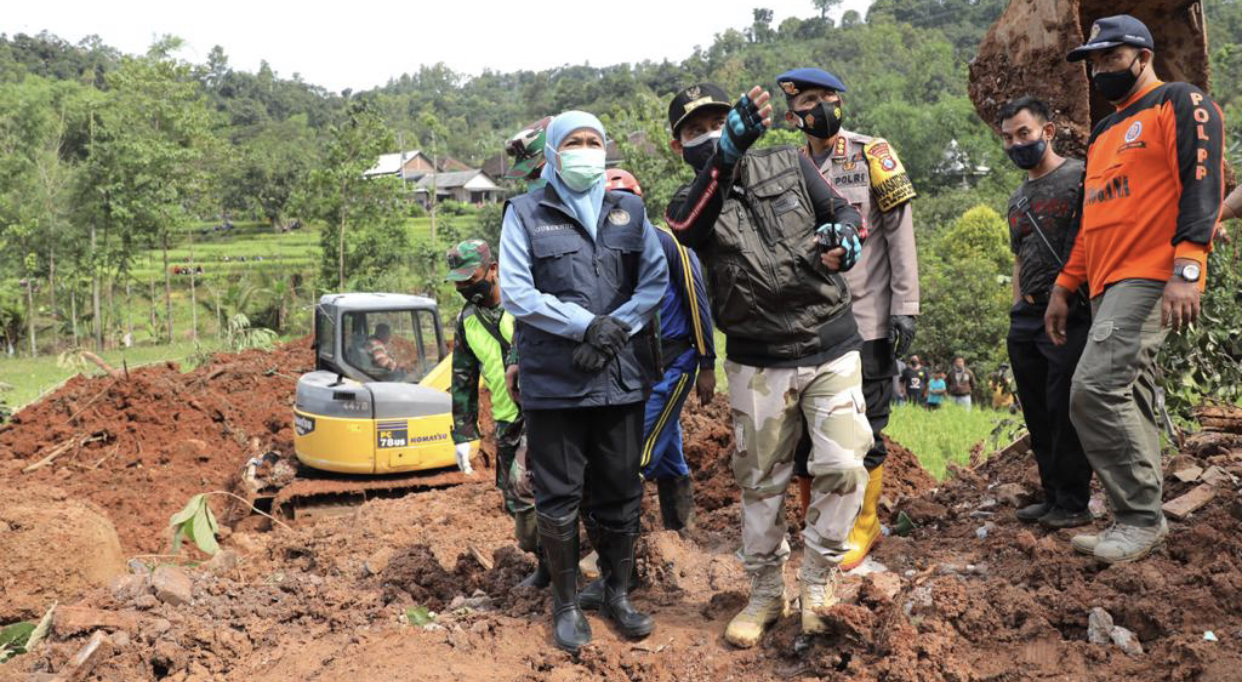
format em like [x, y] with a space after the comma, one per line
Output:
[140, 446]
[983, 596]
[969, 595]
[54, 548]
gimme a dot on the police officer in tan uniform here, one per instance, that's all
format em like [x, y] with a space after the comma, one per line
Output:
[884, 285]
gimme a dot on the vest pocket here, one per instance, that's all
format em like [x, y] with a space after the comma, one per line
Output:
[547, 369]
[553, 264]
[733, 295]
[625, 244]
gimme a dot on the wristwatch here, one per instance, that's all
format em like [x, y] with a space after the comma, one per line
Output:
[1189, 272]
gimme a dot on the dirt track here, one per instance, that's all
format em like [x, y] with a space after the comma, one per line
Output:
[327, 602]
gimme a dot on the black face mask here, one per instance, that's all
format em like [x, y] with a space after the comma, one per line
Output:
[700, 154]
[822, 120]
[1115, 85]
[479, 293]
[1027, 156]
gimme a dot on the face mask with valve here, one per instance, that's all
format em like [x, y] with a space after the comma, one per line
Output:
[822, 120]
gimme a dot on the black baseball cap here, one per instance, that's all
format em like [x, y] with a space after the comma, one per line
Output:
[691, 99]
[1110, 32]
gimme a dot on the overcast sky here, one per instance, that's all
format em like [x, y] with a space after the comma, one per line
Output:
[360, 45]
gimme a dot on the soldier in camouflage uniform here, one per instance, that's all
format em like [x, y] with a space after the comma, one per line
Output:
[884, 287]
[774, 237]
[481, 347]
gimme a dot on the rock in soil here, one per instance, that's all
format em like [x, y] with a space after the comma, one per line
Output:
[52, 548]
[172, 585]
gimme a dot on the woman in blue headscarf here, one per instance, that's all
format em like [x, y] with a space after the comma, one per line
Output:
[582, 272]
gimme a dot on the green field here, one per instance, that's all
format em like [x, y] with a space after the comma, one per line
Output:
[220, 254]
[945, 435]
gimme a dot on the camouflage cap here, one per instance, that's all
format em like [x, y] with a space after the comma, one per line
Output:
[526, 149]
[467, 257]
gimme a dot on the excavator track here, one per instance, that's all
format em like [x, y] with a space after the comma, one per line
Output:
[315, 494]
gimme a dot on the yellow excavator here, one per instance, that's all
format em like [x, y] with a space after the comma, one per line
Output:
[374, 419]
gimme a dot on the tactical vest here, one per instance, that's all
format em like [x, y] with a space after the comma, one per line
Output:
[771, 295]
[491, 359]
[597, 274]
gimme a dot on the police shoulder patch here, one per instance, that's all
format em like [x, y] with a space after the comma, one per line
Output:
[889, 181]
[619, 216]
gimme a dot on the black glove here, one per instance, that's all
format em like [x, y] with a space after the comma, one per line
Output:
[607, 334]
[588, 358]
[743, 126]
[901, 330]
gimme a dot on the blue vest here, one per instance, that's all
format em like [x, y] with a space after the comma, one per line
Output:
[599, 275]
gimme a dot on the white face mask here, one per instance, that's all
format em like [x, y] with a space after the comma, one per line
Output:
[581, 169]
[709, 135]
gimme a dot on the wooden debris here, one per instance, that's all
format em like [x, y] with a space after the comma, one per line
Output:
[60, 450]
[1188, 474]
[72, 620]
[1191, 502]
[56, 452]
[1218, 477]
[484, 560]
[1020, 446]
[101, 364]
[79, 668]
[1220, 417]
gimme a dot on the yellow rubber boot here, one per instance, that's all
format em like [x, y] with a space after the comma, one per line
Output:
[866, 529]
[767, 604]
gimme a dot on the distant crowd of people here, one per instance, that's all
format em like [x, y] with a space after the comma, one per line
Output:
[931, 386]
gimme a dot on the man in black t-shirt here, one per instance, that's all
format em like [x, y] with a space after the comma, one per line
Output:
[1042, 223]
[914, 381]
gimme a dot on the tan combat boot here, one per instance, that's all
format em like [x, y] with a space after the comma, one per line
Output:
[1086, 544]
[818, 580]
[767, 604]
[1130, 543]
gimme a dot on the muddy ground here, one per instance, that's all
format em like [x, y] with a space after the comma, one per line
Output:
[969, 595]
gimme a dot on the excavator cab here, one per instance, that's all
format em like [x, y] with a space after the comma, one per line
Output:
[377, 402]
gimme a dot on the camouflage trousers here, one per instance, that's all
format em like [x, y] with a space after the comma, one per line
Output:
[769, 405]
[512, 476]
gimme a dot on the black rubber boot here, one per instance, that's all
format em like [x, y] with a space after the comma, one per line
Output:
[683, 503]
[616, 565]
[559, 537]
[591, 598]
[676, 503]
[667, 491]
[541, 578]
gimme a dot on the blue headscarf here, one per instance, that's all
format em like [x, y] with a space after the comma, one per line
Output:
[584, 205]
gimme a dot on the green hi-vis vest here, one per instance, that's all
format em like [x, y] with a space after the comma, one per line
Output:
[492, 358]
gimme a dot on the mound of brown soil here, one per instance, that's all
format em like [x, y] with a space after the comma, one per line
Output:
[141, 446]
[54, 548]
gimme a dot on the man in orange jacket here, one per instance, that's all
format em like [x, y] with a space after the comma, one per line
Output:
[1151, 201]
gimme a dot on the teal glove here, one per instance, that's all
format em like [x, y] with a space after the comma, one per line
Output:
[832, 235]
[742, 128]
